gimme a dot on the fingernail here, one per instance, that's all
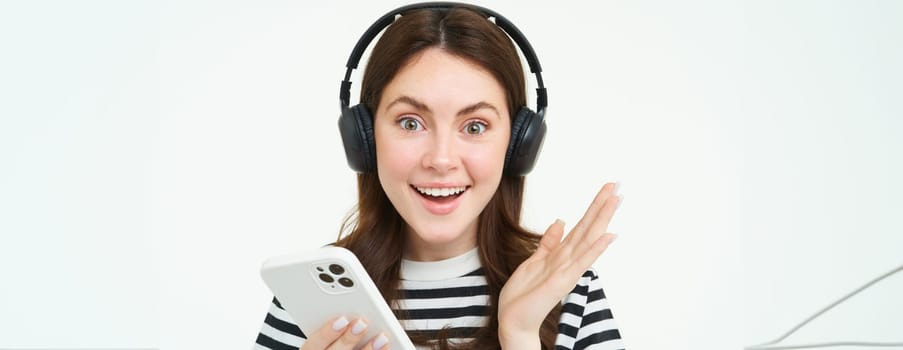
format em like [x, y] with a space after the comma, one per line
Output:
[614, 236]
[340, 323]
[380, 341]
[617, 186]
[359, 327]
[559, 221]
[620, 200]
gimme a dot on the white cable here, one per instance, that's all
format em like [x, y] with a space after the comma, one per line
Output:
[765, 346]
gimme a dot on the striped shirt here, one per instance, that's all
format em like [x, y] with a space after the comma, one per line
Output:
[453, 294]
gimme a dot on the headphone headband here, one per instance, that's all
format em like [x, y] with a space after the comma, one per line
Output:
[500, 21]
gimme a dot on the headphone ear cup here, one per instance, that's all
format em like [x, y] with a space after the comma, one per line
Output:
[356, 128]
[366, 122]
[528, 130]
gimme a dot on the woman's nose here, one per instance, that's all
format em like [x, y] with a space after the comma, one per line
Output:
[441, 155]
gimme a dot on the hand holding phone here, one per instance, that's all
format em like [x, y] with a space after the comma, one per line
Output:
[342, 333]
[327, 292]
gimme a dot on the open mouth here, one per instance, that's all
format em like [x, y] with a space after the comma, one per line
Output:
[441, 195]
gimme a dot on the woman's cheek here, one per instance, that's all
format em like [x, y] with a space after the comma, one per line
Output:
[481, 163]
[398, 154]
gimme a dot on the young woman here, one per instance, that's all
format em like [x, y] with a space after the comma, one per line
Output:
[438, 221]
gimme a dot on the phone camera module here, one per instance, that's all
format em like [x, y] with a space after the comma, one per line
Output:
[346, 282]
[336, 269]
[326, 278]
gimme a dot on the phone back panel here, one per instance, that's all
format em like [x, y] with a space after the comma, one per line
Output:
[318, 286]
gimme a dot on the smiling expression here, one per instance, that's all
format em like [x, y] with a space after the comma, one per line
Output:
[441, 132]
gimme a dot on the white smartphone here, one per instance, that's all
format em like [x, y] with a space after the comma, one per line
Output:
[318, 286]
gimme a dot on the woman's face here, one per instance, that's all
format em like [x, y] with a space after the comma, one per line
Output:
[441, 130]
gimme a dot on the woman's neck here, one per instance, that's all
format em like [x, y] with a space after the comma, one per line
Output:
[417, 249]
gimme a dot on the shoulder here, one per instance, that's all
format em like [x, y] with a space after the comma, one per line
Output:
[589, 295]
[586, 317]
[279, 331]
[588, 290]
[586, 303]
[589, 286]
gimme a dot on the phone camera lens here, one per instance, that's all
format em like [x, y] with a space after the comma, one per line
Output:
[326, 278]
[336, 269]
[346, 282]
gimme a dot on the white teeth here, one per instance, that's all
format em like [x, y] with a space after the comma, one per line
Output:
[441, 192]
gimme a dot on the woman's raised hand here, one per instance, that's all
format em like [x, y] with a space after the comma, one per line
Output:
[341, 334]
[546, 277]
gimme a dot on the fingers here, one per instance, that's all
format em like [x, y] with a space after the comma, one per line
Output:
[601, 201]
[327, 334]
[599, 226]
[595, 249]
[340, 333]
[378, 343]
[351, 337]
[550, 239]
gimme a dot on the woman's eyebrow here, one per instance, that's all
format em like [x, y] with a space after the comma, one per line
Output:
[464, 111]
[478, 106]
[411, 101]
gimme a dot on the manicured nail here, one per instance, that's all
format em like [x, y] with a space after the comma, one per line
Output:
[614, 236]
[620, 200]
[340, 323]
[380, 341]
[617, 186]
[559, 221]
[359, 327]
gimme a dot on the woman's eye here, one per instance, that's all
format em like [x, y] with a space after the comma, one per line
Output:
[475, 128]
[409, 124]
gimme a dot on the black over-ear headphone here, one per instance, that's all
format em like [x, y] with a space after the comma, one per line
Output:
[527, 128]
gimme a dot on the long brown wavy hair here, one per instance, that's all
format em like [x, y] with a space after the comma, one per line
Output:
[376, 232]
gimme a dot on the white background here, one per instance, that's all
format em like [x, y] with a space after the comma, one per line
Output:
[152, 155]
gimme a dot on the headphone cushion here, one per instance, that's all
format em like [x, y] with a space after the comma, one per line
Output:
[365, 125]
[527, 133]
[356, 128]
[518, 125]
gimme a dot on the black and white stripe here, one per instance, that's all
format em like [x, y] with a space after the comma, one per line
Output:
[458, 306]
